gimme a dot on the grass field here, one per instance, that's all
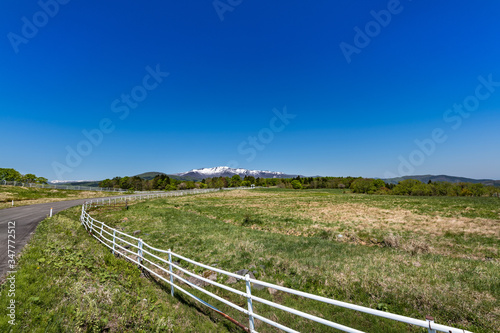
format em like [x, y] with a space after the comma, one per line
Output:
[412, 256]
[28, 196]
[66, 282]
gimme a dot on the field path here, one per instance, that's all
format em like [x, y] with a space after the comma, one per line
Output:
[27, 219]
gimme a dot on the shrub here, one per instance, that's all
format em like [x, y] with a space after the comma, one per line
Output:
[416, 246]
[405, 187]
[392, 240]
[383, 190]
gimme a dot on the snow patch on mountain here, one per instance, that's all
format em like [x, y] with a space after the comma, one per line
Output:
[224, 171]
[70, 181]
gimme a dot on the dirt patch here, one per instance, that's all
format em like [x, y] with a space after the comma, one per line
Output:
[240, 194]
[357, 216]
[360, 216]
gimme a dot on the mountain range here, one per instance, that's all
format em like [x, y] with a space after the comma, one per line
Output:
[443, 178]
[224, 171]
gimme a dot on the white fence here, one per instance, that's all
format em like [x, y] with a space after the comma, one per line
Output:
[144, 254]
[62, 187]
[87, 188]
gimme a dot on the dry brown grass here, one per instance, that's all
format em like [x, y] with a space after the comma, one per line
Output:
[6, 197]
[430, 283]
[328, 213]
[361, 217]
[392, 240]
[335, 218]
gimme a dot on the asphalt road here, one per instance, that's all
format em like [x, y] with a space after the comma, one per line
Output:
[26, 219]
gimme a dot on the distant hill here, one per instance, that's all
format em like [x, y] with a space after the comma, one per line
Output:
[153, 174]
[76, 182]
[150, 175]
[199, 174]
[95, 183]
[85, 183]
[443, 178]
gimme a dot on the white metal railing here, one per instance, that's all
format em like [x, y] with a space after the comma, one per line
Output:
[137, 251]
[87, 188]
[61, 186]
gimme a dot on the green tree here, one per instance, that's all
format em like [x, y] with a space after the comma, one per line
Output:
[404, 187]
[106, 183]
[421, 189]
[41, 180]
[251, 179]
[296, 184]
[137, 183]
[29, 178]
[378, 183]
[125, 183]
[364, 185]
[477, 190]
[10, 175]
[235, 181]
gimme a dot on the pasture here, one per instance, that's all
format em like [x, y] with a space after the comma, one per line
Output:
[31, 195]
[413, 256]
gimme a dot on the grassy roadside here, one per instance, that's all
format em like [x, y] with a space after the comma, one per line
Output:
[23, 196]
[66, 282]
[216, 229]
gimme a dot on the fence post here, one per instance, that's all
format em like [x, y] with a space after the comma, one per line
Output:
[102, 226]
[249, 302]
[139, 253]
[114, 233]
[170, 269]
[430, 321]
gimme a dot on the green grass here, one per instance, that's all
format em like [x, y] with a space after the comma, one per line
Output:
[26, 196]
[288, 238]
[249, 230]
[67, 282]
[364, 219]
[483, 207]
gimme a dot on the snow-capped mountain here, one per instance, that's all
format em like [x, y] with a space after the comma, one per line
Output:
[224, 171]
[70, 181]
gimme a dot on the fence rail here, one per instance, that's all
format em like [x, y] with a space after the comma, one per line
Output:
[62, 187]
[87, 188]
[137, 251]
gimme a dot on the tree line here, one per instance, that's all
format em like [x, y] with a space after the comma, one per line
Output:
[136, 183]
[164, 182]
[415, 187]
[9, 174]
[411, 187]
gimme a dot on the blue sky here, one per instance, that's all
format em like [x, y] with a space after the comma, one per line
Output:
[318, 88]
